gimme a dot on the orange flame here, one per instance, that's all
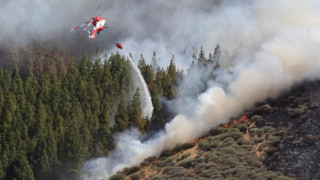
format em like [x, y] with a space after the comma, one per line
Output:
[244, 117]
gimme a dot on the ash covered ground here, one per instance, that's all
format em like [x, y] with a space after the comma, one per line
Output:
[298, 111]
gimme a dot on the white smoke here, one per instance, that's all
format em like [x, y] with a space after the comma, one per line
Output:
[269, 45]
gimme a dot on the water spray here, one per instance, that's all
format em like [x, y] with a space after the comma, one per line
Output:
[145, 98]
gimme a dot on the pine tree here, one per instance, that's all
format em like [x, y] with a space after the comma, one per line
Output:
[135, 112]
[202, 59]
[21, 169]
[171, 70]
[155, 62]
[121, 118]
[217, 53]
[156, 101]
[141, 63]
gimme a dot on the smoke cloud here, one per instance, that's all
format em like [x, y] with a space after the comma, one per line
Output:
[141, 26]
[267, 47]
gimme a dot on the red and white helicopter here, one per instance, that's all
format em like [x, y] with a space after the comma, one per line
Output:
[98, 25]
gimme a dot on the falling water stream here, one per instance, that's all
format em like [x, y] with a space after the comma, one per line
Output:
[145, 98]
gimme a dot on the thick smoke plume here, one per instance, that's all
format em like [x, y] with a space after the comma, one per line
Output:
[267, 47]
[142, 26]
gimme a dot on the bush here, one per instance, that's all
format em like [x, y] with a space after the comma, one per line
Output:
[130, 170]
[270, 149]
[204, 145]
[188, 163]
[228, 150]
[223, 136]
[256, 131]
[268, 129]
[183, 156]
[180, 147]
[135, 176]
[311, 139]
[242, 141]
[166, 153]
[211, 138]
[217, 131]
[236, 135]
[228, 139]
[256, 164]
[242, 127]
[227, 142]
[144, 163]
[273, 140]
[150, 159]
[214, 144]
[257, 140]
[147, 161]
[233, 130]
[118, 177]
[279, 133]
[163, 162]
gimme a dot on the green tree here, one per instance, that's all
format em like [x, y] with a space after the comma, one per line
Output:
[202, 59]
[21, 169]
[135, 112]
[121, 118]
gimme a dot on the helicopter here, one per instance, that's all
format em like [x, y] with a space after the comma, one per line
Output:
[98, 25]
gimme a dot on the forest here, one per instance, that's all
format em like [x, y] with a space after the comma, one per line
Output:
[57, 112]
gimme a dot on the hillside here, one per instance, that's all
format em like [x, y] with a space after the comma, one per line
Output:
[278, 139]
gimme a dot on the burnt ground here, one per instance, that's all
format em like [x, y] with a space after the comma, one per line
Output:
[298, 112]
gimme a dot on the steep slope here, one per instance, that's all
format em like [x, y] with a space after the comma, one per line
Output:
[277, 139]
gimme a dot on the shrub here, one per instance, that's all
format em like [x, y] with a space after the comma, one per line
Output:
[163, 162]
[180, 147]
[256, 164]
[188, 162]
[144, 163]
[118, 177]
[211, 138]
[270, 149]
[156, 168]
[217, 131]
[273, 140]
[228, 150]
[130, 170]
[147, 161]
[242, 127]
[233, 130]
[223, 136]
[183, 156]
[268, 129]
[257, 140]
[204, 145]
[256, 131]
[135, 176]
[166, 153]
[174, 171]
[227, 142]
[242, 141]
[214, 144]
[311, 139]
[228, 139]
[256, 118]
[280, 132]
[236, 135]
[150, 159]
[247, 147]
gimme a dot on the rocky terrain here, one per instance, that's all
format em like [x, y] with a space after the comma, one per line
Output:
[278, 139]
